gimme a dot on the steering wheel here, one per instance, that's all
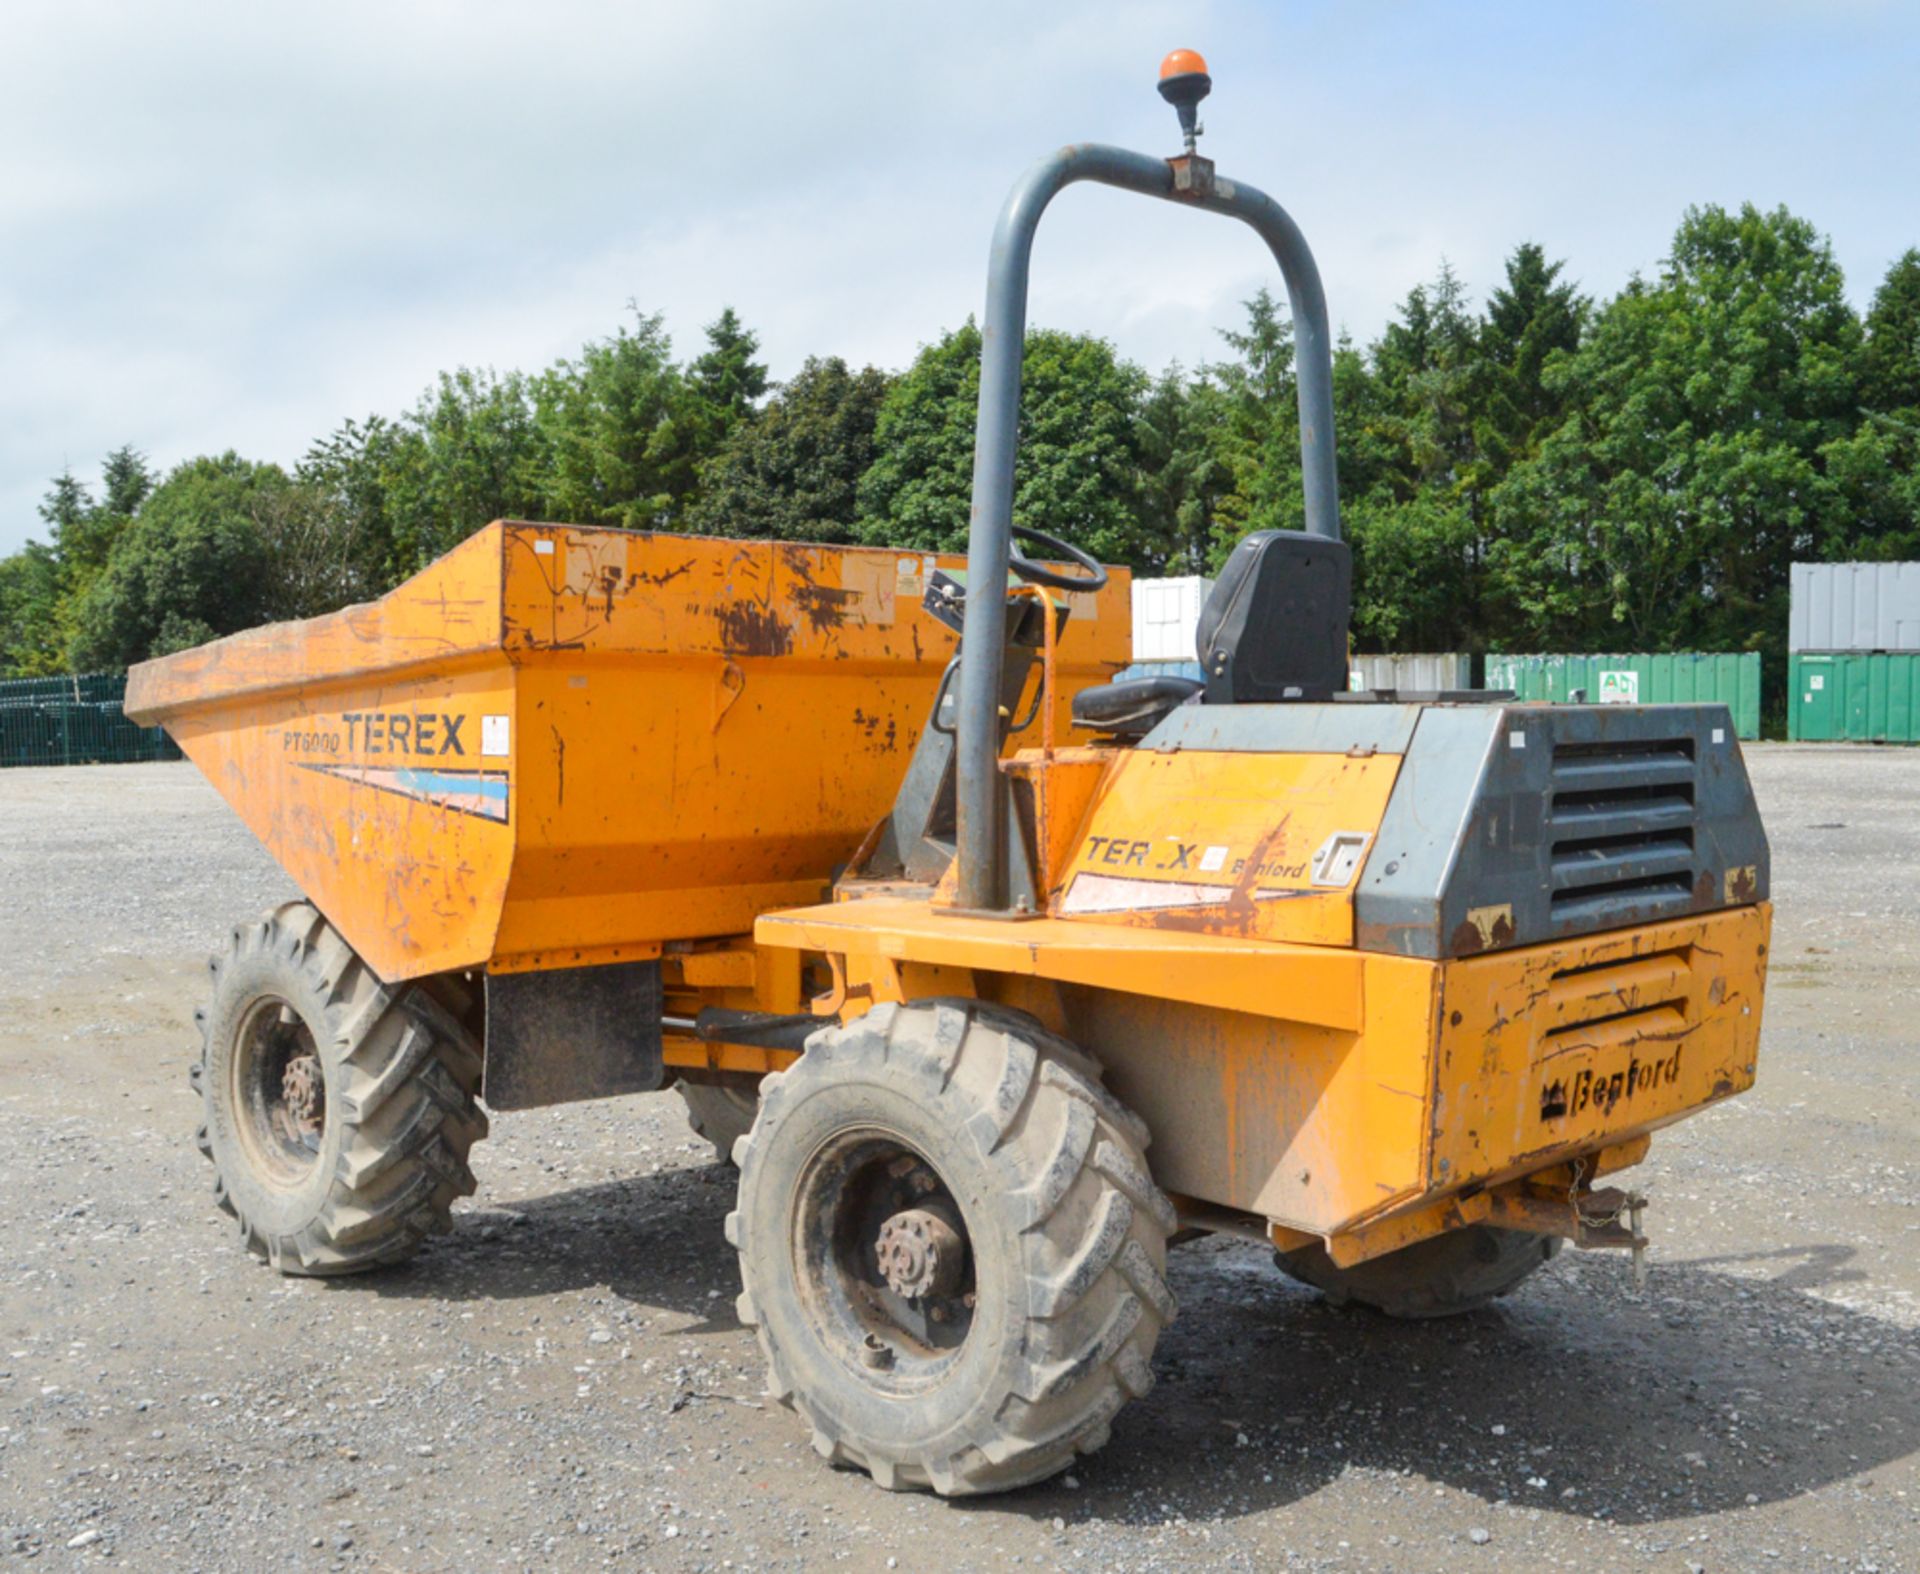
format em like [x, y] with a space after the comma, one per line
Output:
[1095, 577]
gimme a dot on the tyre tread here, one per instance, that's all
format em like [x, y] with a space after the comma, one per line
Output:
[1096, 1291]
[410, 1098]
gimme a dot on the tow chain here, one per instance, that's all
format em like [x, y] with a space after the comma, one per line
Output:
[1633, 1205]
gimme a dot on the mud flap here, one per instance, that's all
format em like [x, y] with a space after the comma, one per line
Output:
[572, 1033]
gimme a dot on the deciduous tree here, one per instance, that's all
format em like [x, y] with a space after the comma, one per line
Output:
[1079, 460]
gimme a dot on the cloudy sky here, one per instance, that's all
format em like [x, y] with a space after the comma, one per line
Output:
[234, 224]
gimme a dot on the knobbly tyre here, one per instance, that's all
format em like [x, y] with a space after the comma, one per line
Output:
[991, 976]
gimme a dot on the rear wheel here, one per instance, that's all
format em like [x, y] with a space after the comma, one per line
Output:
[721, 1113]
[951, 1247]
[1441, 1276]
[339, 1112]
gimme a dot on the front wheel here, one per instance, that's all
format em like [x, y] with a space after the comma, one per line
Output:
[719, 1112]
[339, 1112]
[951, 1247]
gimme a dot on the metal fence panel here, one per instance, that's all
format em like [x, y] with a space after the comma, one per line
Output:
[1643, 678]
[74, 721]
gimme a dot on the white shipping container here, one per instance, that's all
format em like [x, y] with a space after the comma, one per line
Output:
[1166, 617]
[1420, 674]
[1854, 607]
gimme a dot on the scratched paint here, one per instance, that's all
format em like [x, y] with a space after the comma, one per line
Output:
[1224, 843]
[701, 730]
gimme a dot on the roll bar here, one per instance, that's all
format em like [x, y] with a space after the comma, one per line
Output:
[980, 800]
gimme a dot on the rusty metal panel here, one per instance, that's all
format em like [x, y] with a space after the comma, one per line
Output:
[558, 745]
[1265, 845]
[1299, 983]
[1315, 1127]
[572, 1033]
[1557, 1050]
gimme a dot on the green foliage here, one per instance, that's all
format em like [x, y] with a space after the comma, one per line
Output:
[1079, 460]
[1184, 473]
[472, 452]
[725, 377]
[626, 431]
[1875, 475]
[918, 490]
[372, 477]
[316, 560]
[792, 472]
[31, 613]
[1665, 510]
[126, 481]
[193, 565]
[1253, 428]
[1890, 359]
[1530, 319]
[618, 431]
[1538, 473]
[42, 586]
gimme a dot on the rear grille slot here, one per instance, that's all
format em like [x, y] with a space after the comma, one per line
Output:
[1621, 831]
[1618, 1000]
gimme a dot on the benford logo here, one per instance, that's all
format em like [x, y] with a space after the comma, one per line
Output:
[1602, 1090]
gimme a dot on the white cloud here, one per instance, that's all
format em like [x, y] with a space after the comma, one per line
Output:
[227, 224]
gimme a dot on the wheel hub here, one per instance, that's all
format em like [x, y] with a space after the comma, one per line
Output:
[920, 1254]
[303, 1089]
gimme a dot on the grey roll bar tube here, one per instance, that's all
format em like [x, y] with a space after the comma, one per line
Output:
[981, 857]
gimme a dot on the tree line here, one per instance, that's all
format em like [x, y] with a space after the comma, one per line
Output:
[1540, 471]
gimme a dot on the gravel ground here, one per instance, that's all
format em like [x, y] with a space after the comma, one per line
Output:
[562, 1383]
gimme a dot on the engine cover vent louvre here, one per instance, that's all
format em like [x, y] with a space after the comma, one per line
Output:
[1518, 824]
[1620, 830]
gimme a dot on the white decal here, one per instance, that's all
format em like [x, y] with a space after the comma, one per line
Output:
[1213, 860]
[494, 737]
[1112, 893]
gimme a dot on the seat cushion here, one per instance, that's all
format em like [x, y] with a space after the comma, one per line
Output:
[1131, 707]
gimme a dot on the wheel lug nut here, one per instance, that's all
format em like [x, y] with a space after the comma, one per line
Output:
[920, 1254]
[875, 1353]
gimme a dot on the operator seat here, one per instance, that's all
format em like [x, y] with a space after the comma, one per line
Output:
[1274, 629]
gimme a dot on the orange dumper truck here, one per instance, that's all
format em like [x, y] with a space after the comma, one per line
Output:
[993, 976]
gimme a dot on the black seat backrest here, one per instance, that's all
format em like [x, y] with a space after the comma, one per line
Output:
[1275, 625]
